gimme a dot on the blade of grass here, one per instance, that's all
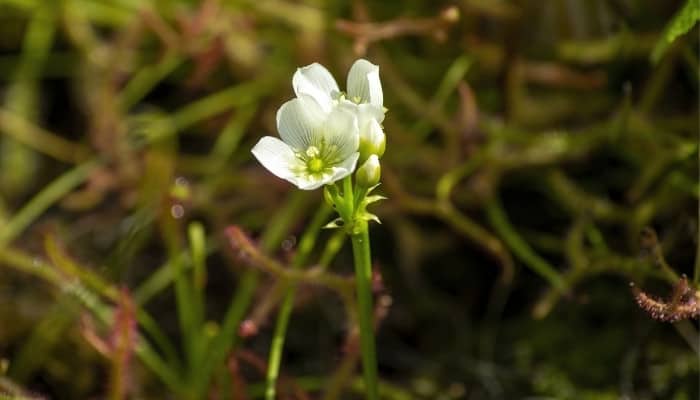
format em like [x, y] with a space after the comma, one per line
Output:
[522, 250]
[216, 103]
[306, 244]
[197, 241]
[45, 199]
[187, 311]
[95, 282]
[18, 163]
[230, 137]
[34, 266]
[225, 340]
[44, 337]
[455, 73]
[38, 139]
[146, 79]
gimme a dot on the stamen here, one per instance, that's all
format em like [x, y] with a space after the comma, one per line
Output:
[313, 151]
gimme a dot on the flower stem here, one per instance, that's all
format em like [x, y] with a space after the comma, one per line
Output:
[363, 278]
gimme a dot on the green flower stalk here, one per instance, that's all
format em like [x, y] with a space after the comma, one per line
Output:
[325, 134]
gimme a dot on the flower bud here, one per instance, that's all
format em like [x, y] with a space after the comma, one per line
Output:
[369, 173]
[372, 140]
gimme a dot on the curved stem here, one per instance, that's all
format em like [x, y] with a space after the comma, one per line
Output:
[363, 278]
[52, 193]
[499, 221]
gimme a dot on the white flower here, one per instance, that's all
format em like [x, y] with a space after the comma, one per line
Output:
[364, 97]
[318, 147]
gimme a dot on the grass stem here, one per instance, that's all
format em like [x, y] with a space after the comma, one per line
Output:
[306, 244]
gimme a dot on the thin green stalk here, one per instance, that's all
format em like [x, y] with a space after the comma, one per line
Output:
[44, 199]
[363, 278]
[145, 352]
[147, 78]
[522, 250]
[452, 77]
[277, 345]
[198, 248]
[234, 96]
[306, 244]
[24, 131]
[226, 339]
[332, 248]
[187, 310]
[230, 137]
[155, 363]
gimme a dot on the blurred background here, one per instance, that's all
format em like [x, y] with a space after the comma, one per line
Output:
[542, 155]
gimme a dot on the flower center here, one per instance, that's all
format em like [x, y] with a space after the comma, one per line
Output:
[315, 165]
[314, 162]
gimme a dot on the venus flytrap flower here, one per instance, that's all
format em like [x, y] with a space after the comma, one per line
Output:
[316, 149]
[324, 135]
[364, 98]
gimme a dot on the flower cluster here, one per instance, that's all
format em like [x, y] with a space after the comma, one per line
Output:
[326, 133]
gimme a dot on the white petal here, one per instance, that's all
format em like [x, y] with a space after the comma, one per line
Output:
[298, 120]
[338, 172]
[311, 182]
[277, 157]
[341, 133]
[345, 168]
[364, 83]
[314, 80]
[366, 111]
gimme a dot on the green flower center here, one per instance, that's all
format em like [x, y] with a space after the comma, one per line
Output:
[314, 162]
[315, 165]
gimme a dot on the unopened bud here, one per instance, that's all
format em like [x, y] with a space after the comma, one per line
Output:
[372, 141]
[369, 173]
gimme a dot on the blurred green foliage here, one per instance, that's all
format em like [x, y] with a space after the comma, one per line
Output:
[530, 143]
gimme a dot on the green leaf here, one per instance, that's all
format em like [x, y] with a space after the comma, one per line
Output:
[684, 21]
[336, 223]
[367, 216]
[372, 199]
